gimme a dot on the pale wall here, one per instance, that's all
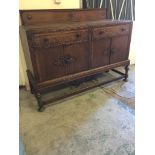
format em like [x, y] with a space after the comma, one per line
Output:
[48, 4]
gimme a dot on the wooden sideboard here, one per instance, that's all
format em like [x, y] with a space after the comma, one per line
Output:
[61, 46]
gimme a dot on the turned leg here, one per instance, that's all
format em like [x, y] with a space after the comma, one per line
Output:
[31, 88]
[31, 82]
[126, 73]
[40, 102]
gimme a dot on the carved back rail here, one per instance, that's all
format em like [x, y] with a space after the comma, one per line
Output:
[39, 17]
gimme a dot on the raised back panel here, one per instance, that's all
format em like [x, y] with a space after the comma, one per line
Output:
[37, 17]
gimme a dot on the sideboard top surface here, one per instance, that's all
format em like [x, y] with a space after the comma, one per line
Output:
[74, 25]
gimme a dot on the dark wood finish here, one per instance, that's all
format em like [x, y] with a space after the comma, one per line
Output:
[101, 52]
[83, 74]
[77, 57]
[22, 87]
[50, 63]
[111, 31]
[33, 17]
[26, 47]
[60, 46]
[119, 49]
[49, 40]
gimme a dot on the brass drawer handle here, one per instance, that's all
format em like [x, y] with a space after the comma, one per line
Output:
[29, 17]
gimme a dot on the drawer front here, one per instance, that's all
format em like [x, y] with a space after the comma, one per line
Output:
[119, 49]
[59, 38]
[110, 31]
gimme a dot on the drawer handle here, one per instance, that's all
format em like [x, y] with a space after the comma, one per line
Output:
[65, 60]
[29, 17]
[46, 43]
[77, 35]
[69, 60]
[123, 29]
[101, 32]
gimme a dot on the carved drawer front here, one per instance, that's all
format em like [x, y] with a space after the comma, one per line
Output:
[54, 39]
[110, 31]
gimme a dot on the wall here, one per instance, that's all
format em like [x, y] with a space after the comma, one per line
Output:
[48, 4]
[39, 4]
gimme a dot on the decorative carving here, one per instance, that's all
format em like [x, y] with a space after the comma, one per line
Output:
[47, 45]
[64, 60]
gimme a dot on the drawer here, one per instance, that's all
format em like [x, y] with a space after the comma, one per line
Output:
[58, 38]
[110, 31]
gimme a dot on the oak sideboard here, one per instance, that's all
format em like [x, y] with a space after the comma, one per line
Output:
[65, 45]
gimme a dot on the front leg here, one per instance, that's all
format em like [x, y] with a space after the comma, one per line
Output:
[126, 73]
[40, 102]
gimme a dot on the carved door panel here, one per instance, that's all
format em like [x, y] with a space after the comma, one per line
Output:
[50, 63]
[77, 57]
[101, 52]
[119, 49]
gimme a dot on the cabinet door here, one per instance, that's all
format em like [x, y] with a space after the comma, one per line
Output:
[50, 63]
[119, 49]
[77, 57]
[101, 52]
